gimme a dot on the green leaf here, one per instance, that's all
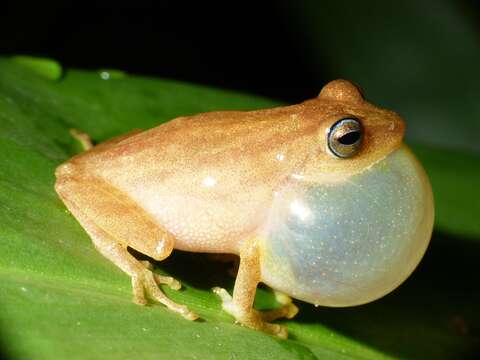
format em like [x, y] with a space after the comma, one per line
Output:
[48, 68]
[61, 299]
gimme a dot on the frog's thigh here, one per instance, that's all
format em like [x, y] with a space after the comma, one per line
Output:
[114, 222]
[114, 212]
[240, 305]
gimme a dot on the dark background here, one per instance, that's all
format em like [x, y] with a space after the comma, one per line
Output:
[253, 47]
[419, 58]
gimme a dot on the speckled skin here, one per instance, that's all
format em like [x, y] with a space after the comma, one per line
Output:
[205, 183]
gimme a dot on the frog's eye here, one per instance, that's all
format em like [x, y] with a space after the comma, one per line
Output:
[345, 137]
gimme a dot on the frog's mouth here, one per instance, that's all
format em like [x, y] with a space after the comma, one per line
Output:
[353, 241]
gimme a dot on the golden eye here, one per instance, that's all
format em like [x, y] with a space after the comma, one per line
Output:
[345, 137]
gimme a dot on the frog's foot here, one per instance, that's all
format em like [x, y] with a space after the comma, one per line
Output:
[288, 309]
[252, 318]
[83, 138]
[147, 282]
[171, 282]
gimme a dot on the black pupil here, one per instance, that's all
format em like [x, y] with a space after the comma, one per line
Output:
[349, 138]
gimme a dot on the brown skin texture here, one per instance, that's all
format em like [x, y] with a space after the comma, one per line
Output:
[148, 190]
[252, 139]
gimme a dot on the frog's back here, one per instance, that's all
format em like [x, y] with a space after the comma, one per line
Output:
[208, 178]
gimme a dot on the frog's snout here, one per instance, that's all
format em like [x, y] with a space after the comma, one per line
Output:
[352, 242]
[397, 125]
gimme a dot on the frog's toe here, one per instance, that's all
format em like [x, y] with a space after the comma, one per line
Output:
[222, 293]
[83, 138]
[147, 283]
[186, 312]
[287, 311]
[171, 282]
[227, 301]
[281, 297]
[292, 310]
[277, 330]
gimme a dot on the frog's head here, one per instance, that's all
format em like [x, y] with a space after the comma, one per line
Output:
[354, 221]
[352, 134]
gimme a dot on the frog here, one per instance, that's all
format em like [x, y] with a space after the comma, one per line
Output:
[320, 201]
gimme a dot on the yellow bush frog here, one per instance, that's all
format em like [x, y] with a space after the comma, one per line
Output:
[321, 201]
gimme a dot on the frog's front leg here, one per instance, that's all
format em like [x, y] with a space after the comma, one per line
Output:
[115, 222]
[240, 306]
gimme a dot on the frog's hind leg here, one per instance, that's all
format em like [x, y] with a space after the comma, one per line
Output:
[115, 222]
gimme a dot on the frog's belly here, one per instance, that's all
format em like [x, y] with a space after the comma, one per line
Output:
[204, 228]
[204, 225]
